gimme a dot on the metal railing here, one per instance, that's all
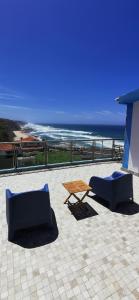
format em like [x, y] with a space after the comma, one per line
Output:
[19, 156]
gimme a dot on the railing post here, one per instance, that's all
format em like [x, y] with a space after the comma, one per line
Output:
[113, 149]
[93, 150]
[71, 154]
[102, 148]
[15, 157]
[45, 153]
[14, 165]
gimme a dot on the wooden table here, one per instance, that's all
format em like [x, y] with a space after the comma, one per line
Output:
[74, 187]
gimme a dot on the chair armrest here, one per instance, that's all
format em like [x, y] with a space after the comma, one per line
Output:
[9, 206]
[9, 194]
[102, 187]
[45, 188]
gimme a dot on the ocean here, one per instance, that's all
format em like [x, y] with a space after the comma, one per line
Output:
[76, 132]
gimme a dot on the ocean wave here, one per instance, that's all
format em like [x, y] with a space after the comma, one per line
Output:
[54, 133]
[45, 129]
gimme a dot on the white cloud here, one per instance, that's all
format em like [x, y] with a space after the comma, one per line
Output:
[60, 112]
[122, 114]
[14, 107]
[7, 94]
[10, 107]
[104, 112]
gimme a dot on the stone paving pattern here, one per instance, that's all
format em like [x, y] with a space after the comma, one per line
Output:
[94, 258]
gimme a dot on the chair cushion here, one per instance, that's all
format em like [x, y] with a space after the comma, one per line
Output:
[114, 176]
[109, 178]
[117, 174]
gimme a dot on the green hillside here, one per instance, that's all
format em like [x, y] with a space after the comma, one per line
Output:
[6, 129]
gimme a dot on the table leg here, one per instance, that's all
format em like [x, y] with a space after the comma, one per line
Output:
[77, 197]
[80, 200]
[84, 196]
[67, 198]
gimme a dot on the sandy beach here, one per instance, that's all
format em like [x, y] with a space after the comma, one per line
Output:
[20, 134]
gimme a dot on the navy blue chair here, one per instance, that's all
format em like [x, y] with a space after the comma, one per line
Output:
[27, 209]
[115, 189]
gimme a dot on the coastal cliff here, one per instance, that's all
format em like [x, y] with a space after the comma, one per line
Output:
[6, 129]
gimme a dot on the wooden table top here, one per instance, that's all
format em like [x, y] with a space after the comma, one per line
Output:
[76, 186]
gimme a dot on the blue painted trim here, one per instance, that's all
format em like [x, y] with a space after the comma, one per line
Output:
[127, 135]
[129, 98]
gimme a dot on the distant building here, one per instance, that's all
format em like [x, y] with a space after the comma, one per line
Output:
[30, 143]
[131, 146]
[6, 149]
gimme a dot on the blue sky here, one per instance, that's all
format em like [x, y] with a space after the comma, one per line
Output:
[65, 61]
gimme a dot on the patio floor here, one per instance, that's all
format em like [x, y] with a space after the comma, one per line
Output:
[93, 258]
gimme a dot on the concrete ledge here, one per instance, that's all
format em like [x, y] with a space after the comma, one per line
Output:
[129, 171]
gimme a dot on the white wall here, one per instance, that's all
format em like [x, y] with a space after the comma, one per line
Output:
[133, 163]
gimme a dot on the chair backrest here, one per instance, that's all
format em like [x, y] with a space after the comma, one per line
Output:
[29, 206]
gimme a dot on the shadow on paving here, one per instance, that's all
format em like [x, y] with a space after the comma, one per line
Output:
[36, 236]
[82, 210]
[125, 208]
